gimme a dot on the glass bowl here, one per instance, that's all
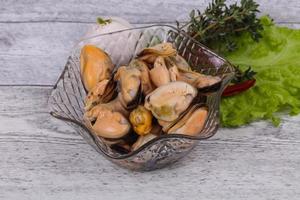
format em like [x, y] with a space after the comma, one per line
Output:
[66, 101]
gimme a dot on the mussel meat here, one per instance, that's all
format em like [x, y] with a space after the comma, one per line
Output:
[150, 54]
[147, 85]
[199, 80]
[130, 85]
[169, 101]
[95, 66]
[162, 49]
[191, 123]
[159, 73]
[141, 120]
[107, 123]
[179, 70]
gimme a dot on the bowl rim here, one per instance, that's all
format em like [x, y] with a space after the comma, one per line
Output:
[151, 26]
[149, 143]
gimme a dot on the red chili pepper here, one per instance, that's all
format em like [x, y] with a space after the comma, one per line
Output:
[238, 88]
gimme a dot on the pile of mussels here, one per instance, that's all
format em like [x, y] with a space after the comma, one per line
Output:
[155, 94]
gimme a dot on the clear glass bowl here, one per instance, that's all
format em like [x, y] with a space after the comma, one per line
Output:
[67, 98]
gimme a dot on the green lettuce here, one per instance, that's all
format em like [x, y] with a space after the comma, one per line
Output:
[276, 58]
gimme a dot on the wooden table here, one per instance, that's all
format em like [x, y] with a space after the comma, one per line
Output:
[42, 158]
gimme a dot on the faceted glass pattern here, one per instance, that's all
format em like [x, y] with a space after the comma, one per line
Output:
[67, 98]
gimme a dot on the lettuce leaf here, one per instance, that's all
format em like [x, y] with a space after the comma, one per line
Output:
[276, 58]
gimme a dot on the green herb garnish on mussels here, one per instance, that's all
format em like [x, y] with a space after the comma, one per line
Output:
[276, 60]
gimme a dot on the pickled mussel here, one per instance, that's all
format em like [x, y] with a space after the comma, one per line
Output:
[106, 122]
[191, 123]
[141, 120]
[170, 100]
[147, 85]
[95, 66]
[159, 73]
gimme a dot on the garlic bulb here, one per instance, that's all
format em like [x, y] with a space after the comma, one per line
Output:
[115, 24]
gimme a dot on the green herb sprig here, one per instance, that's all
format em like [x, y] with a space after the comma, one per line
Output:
[103, 21]
[220, 24]
[241, 76]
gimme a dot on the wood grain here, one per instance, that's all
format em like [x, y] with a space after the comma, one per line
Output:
[135, 11]
[42, 158]
[35, 53]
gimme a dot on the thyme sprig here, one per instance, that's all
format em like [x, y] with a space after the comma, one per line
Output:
[241, 76]
[220, 24]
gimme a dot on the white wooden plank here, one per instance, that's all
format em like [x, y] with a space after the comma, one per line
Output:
[135, 11]
[42, 159]
[35, 53]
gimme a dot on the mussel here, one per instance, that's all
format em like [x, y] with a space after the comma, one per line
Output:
[103, 92]
[106, 122]
[198, 80]
[147, 85]
[141, 120]
[95, 66]
[150, 54]
[191, 123]
[170, 100]
[159, 73]
[162, 49]
[129, 79]
[180, 71]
